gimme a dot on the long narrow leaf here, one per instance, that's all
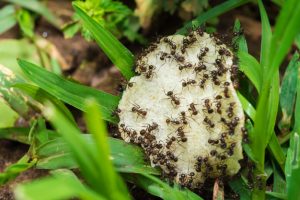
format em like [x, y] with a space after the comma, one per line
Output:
[117, 53]
[69, 92]
[211, 13]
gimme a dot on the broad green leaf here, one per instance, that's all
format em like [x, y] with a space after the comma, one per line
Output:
[288, 92]
[252, 69]
[156, 187]
[15, 169]
[63, 184]
[71, 29]
[276, 195]
[70, 92]
[117, 53]
[112, 186]
[127, 158]
[16, 134]
[39, 8]
[211, 13]
[7, 18]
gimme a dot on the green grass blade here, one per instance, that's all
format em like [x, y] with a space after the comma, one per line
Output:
[63, 185]
[285, 31]
[70, 92]
[239, 41]
[266, 36]
[80, 149]
[293, 167]
[15, 134]
[273, 146]
[127, 158]
[7, 18]
[251, 68]
[156, 187]
[117, 53]
[39, 8]
[212, 13]
[112, 185]
[288, 93]
[15, 169]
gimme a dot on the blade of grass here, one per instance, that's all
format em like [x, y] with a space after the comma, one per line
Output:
[286, 29]
[7, 18]
[156, 187]
[211, 13]
[15, 134]
[251, 68]
[265, 37]
[288, 93]
[113, 185]
[63, 184]
[15, 169]
[117, 53]
[126, 158]
[69, 92]
[39, 8]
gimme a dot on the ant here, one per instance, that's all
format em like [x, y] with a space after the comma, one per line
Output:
[188, 82]
[172, 121]
[202, 53]
[185, 66]
[170, 42]
[173, 98]
[183, 117]
[218, 105]
[203, 81]
[130, 84]
[178, 58]
[151, 127]
[230, 109]
[149, 73]
[245, 135]
[193, 109]
[137, 109]
[207, 106]
[116, 112]
[200, 67]
[222, 51]
[209, 122]
[163, 56]
[226, 92]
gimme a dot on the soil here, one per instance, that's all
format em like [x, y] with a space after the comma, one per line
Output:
[87, 64]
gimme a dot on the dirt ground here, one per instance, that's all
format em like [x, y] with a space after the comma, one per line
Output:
[99, 72]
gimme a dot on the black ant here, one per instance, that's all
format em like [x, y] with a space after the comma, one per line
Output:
[200, 67]
[193, 109]
[226, 92]
[178, 58]
[209, 122]
[203, 81]
[230, 109]
[170, 42]
[151, 127]
[207, 105]
[173, 98]
[149, 73]
[172, 121]
[116, 112]
[188, 82]
[218, 105]
[185, 66]
[137, 109]
[183, 117]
